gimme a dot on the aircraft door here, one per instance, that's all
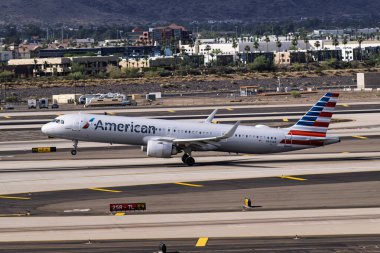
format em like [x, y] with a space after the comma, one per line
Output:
[76, 124]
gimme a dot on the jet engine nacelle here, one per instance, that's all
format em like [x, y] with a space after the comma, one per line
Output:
[160, 149]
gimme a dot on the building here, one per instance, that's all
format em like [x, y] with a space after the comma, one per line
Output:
[141, 51]
[168, 35]
[60, 66]
[84, 43]
[95, 64]
[282, 58]
[151, 62]
[72, 52]
[40, 67]
[368, 81]
[139, 37]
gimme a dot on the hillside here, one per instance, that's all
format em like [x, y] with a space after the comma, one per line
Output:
[148, 11]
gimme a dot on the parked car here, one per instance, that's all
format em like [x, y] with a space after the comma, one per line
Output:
[54, 106]
[129, 102]
[9, 107]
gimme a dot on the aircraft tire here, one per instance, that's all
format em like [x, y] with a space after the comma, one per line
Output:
[184, 157]
[73, 152]
[190, 161]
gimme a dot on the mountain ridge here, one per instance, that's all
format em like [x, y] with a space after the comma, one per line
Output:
[150, 11]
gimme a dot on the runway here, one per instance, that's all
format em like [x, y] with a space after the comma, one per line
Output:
[349, 244]
[327, 196]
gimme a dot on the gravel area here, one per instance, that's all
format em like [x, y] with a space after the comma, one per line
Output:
[189, 85]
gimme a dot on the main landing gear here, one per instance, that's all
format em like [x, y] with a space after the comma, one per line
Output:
[75, 145]
[188, 159]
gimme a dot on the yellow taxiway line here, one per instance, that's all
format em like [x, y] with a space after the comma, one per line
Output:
[285, 119]
[202, 242]
[12, 215]
[293, 178]
[360, 137]
[14, 197]
[229, 109]
[172, 111]
[187, 184]
[119, 214]
[7, 117]
[104, 190]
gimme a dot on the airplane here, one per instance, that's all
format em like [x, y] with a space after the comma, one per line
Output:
[166, 138]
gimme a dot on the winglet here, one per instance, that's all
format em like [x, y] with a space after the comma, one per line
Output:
[231, 132]
[211, 117]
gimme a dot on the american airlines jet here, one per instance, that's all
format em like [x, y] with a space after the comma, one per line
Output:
[166, 138]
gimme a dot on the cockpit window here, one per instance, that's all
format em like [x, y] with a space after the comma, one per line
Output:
[58, 121]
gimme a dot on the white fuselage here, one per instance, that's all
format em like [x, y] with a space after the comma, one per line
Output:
[138, 131]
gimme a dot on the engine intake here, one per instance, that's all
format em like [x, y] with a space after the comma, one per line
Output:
[161, 149]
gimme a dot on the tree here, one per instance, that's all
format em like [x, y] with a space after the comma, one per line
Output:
[208, 48]
[317, 44]
[234, 44]
[335, 42]
[76, 76]
[247, 49]
[6, 76]
[345, 41]
[360, 40]
[278, 45]
[261, 63]
[295, 42]
[256, 45]
[306, 40]
[267, 40]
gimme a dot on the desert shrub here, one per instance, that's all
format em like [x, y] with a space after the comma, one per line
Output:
[295, 94]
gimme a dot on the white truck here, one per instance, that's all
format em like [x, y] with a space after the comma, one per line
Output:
[32, 103]
[43, 103]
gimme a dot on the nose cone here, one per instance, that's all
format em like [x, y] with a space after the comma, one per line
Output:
[45, 128]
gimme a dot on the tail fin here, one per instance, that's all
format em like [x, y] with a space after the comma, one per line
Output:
[316, 121]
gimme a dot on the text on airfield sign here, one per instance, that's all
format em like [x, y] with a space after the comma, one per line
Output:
[127, 207]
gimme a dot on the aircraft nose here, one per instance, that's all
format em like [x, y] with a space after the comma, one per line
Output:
[45, 128]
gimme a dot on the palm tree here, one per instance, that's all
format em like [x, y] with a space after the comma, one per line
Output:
[360, 40]
[278, 45]
[246, 49]
[234, 44]
[256, 45]
[208, 48]
[335, 42]
[295, 42]
[191, 45]
[345, 41]
[267, 40]
[317, 44]
[306, 40]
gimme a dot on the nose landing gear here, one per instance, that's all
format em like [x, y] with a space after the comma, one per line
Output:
[75, 145]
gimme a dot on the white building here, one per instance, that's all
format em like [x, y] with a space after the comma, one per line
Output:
[347, 54]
